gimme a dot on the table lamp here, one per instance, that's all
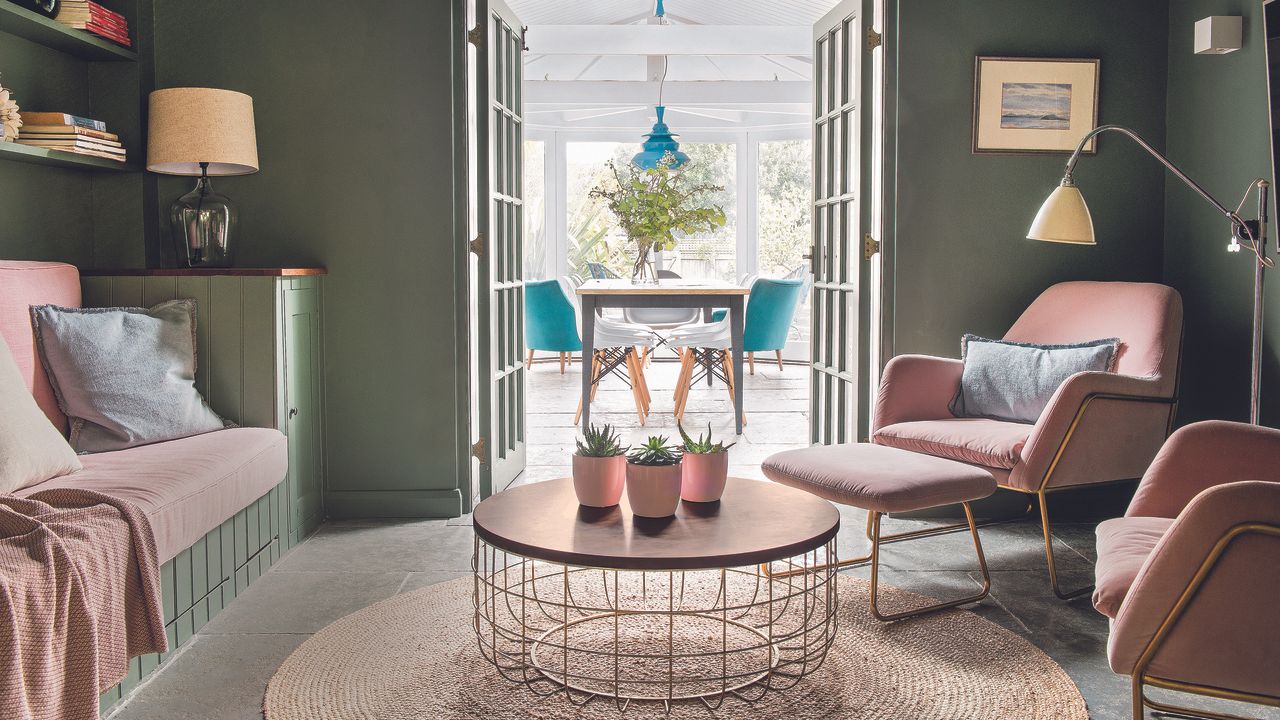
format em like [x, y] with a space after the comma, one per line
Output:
[1064, 218]
[200, 132]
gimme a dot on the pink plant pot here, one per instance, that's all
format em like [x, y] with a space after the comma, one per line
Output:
[704, 476]
[598, 481]
[654, 490]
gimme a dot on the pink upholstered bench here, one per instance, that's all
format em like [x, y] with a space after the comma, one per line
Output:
[883, 480]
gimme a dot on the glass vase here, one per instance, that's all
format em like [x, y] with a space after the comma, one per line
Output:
[642, 272]
[203, 224]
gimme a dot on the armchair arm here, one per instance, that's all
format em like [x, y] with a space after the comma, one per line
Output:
[916, 387]
[1127, 413]
[1200, 456]
[1200, 609]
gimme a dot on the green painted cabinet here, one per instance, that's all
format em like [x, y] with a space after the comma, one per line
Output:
[260, 363]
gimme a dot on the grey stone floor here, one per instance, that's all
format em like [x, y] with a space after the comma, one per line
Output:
[348, 565]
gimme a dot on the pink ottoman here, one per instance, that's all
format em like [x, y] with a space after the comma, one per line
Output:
[883, 480]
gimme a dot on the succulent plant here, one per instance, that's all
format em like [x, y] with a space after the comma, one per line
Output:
[702, 446]
[600, 442]
[655, 451]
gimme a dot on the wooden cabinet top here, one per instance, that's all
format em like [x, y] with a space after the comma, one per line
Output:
[207, 272]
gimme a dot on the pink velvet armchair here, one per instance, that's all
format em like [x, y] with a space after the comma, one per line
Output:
[1099, 427]
[1189, 575]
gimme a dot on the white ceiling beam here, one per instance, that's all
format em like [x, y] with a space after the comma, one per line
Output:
[669, 39]
[720, 92]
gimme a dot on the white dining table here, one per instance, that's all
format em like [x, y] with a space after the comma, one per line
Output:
[595, 295]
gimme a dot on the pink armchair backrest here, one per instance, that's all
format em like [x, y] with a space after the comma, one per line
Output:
[1203, 455]
[23, 284]
[1145, 316]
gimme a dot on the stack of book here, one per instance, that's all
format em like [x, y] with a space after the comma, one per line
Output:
[69, 133]
[92, 17]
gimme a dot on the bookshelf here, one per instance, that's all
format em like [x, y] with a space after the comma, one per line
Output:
[39, 29]
[57, 158]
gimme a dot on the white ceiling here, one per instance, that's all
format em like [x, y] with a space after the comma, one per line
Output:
[635, 110]
[695, 12]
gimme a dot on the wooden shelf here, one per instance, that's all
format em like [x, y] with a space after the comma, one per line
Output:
[37, 28]
[58, 158]
[208, 272]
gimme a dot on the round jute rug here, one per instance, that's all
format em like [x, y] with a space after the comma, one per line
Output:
[415, 657]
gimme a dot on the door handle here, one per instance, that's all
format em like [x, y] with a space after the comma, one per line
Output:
[293, 412]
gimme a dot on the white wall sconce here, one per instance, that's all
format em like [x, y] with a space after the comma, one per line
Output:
[1219, 34]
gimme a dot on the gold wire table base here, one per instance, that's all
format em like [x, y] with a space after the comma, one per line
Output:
[653, 635]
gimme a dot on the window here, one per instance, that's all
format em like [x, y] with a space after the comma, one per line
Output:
[783, 225]
[715, 254]
[534, 210]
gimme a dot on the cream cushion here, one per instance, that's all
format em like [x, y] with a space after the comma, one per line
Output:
[31, 448]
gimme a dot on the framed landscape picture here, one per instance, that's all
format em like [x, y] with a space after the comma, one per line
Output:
[1034, 105]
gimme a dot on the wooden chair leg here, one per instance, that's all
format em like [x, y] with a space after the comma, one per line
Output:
[641, 382]
[684, 383]
[562, 363]
[636, 394]
[727, 361]
[595, 374]
[751, 362]
[528, 363]
[779, 352]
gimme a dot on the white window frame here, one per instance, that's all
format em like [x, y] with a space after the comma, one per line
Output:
[747, 142]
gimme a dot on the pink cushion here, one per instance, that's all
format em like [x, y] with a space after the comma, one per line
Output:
[878, 478]
[1145, 316]
[1123, 546]
[23, 284]
[979, 441]
[186, 487]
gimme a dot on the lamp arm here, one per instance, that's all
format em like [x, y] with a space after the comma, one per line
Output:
[1168, 164]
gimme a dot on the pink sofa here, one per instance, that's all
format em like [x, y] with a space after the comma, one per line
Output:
[1189, 575]
[1099, 427]
[186, 487]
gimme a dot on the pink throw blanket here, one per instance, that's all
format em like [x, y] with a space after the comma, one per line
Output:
[79, 597]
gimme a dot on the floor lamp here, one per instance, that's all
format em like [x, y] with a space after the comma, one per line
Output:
[1065, 218]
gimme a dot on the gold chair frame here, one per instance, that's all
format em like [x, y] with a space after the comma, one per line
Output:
[1140, 676]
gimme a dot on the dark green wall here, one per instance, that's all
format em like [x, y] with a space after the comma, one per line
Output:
[354, 110]
[1217, 131]
[962, 263]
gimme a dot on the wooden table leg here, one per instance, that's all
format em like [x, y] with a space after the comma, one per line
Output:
[736, 311]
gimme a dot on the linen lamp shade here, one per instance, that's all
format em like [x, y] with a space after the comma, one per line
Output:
[1063, 218]
[190, 126]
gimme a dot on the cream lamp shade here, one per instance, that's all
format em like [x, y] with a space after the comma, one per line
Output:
[190, 126]
[1063, 218]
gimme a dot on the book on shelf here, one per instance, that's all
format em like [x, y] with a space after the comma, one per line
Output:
[91, 17]
[118, 155]
[69, 137]
[115, 149]
[29, 128]
[61, 119]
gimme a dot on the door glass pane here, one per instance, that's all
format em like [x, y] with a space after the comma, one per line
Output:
[534, 211]
[784, 224]
[595, 237]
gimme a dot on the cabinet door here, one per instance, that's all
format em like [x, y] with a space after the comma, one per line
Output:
[303, 406]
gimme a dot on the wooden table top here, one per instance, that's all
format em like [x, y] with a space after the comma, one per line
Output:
[672, 286]
[755, 522]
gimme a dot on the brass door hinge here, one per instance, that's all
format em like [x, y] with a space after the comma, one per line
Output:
[480, 451]
[874, 39]
[870, 246]
[475, 36]
[477, 245]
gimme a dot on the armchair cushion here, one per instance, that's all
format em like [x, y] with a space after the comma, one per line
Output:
[977, 441]
[1124, 544]
[1010, 381]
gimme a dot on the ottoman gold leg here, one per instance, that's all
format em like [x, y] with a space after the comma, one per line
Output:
[875, 571]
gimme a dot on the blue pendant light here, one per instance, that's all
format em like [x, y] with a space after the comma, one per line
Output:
[660, 139]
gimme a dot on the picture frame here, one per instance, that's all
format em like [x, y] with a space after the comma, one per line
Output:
[1034, 105]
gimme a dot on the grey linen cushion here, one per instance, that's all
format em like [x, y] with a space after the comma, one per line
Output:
[124, 376]
[1014, 382]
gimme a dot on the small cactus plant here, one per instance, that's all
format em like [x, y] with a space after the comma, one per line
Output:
[702, 446]
[600, 441]
[655, 451]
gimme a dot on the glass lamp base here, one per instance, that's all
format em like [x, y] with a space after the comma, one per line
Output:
[203, 225]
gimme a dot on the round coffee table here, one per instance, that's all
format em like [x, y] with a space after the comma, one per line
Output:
[599, 603]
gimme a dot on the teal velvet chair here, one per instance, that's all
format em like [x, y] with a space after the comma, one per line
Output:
[770, 308]
[549, 322]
